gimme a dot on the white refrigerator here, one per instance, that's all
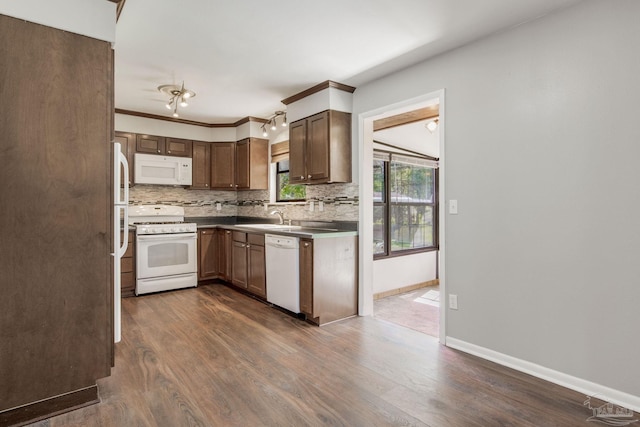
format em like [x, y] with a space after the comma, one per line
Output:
[120, 230]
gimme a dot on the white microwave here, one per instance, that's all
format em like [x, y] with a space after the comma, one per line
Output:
[163, 170]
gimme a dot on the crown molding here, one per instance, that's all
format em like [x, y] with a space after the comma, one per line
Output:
[190, 122]
[317, 88]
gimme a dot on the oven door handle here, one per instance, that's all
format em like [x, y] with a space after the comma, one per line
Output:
[165, 237]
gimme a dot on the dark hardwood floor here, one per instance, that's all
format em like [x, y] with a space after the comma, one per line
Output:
[211, 356]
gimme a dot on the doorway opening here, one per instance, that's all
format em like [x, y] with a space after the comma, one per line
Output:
[402, 221]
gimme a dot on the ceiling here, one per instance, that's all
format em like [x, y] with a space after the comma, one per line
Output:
[243, 57]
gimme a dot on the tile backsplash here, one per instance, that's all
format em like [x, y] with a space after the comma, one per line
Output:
[340, 202]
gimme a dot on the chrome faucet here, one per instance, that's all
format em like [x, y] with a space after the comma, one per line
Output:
[280, 215]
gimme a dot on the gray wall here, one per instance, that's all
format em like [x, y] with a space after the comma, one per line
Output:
[542, 151]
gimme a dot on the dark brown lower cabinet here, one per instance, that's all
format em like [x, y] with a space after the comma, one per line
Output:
[256, 268]
[248, 269]
[208, 258]
[239, 259]
[329, 278]
[128, 268]
[225, 243]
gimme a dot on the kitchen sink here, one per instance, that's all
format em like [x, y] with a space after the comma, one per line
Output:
[284, 227]
[271, 226]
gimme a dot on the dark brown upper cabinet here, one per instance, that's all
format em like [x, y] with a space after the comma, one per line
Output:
[201, 172]
[152, 144]
[127, 142]
[242, 165]
[223, 160]
[252, 164]
[320, 148]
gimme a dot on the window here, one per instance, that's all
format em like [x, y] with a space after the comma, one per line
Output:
[286, 192]
[405, 205]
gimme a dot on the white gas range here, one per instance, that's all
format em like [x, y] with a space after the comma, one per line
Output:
[166, 248]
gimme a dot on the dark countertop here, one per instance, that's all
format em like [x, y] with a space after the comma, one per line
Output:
[303, 229]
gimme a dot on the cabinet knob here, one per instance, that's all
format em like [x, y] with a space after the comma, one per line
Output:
[301, 176]
[169, 151]
[158, 151]
[309, 177]
[228, 232]
[206, 185]
[230, 185]
[248, 246]
[306, 244]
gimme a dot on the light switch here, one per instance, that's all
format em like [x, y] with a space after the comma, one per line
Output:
[453, 207]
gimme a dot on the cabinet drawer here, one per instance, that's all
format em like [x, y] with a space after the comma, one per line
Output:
[239, 236]
[126, 265]
[256, 239]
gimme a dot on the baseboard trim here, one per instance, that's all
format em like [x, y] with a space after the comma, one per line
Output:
[50, 407]
[574, 383]
[405, 289]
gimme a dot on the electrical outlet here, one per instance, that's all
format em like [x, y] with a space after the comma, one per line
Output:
[311, 205]
[321, 206]
[453, 302]
[218, 206]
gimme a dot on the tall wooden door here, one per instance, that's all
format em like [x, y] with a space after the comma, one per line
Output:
[56, 288]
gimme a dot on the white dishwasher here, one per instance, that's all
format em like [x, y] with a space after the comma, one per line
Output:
[283, 280]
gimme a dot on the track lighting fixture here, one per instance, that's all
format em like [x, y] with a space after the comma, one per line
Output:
[178, 95]
[272, 122]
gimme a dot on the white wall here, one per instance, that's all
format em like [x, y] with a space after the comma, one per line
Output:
[135, 124]
[398, 272]
[93, 18]
[541, 151]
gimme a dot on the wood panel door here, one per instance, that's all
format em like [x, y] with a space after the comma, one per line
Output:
[317, 147]
[150, 144]
[56, 275]
[223, 159]
[201, 172]
[178, 147]
[297, 152]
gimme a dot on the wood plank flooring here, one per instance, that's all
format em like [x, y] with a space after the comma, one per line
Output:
[402, 309]
[211, 356]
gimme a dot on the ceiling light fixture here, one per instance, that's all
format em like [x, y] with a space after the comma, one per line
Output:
[432, 125]
[177, 95]
[272, 122]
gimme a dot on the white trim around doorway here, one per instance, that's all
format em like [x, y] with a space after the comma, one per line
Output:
[365, 142]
